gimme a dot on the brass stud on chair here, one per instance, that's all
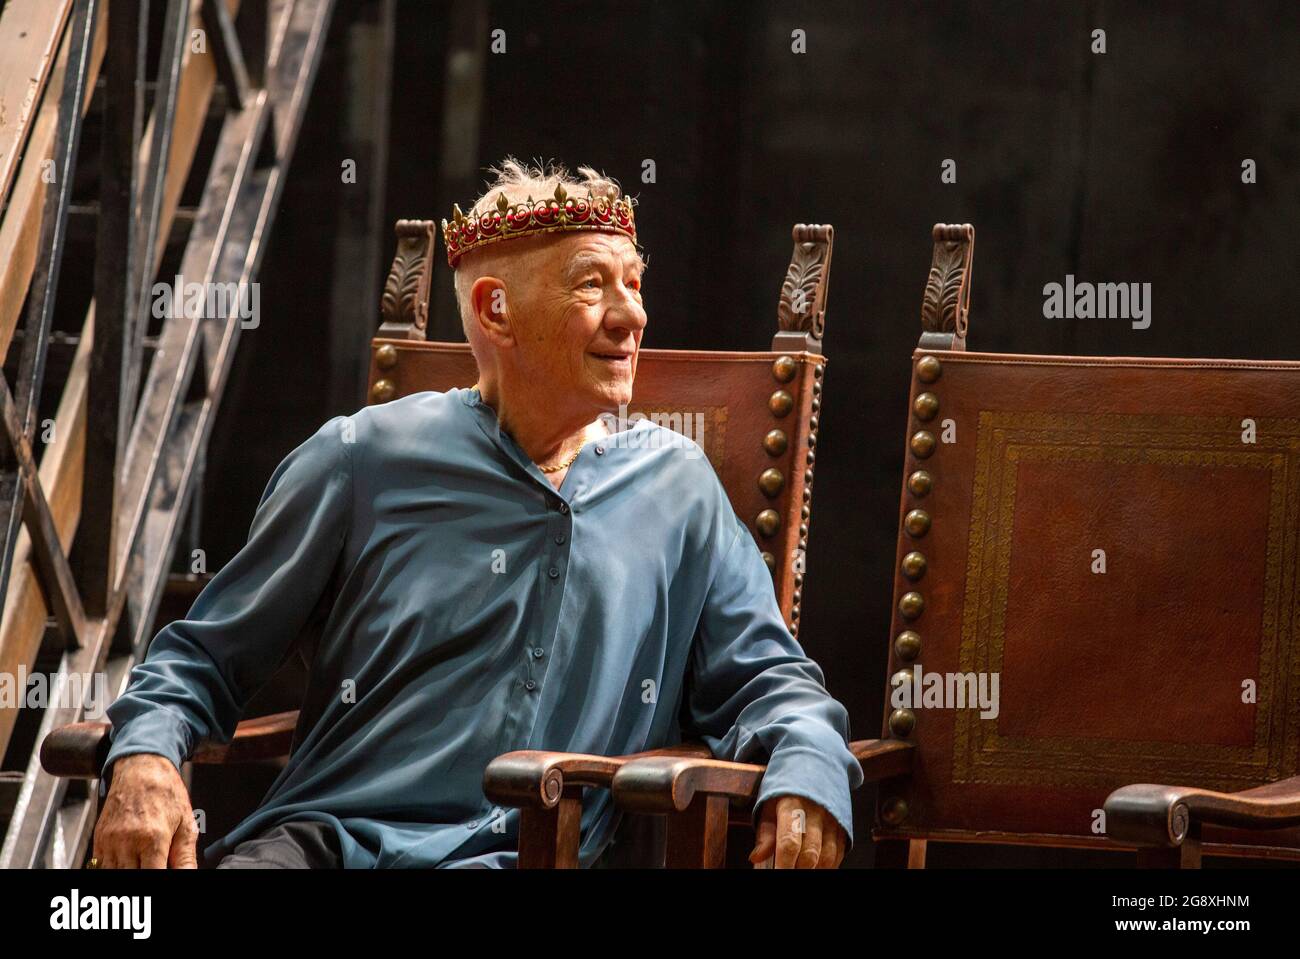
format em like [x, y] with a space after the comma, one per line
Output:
[913, 566]
[922, 444]
[386, 356]
[907, 645]
[917, 523]
[928, 369]
[808, 476]
[893, 811]
[919, 483]
[775, 442]
[780, 403]
[771, 562]
[383, 391]
[768, 522]
[925, 406]
[910, 605]
[902, 722]
[784, 368]
[770, 482]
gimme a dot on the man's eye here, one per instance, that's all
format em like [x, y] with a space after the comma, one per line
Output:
[591, 283]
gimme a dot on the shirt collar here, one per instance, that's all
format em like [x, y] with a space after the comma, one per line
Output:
[487, 420]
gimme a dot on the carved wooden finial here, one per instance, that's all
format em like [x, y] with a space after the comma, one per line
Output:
[405, 303]
[801, 312]
[946, 304]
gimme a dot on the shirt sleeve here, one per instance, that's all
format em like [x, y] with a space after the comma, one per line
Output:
[201, 671]
[756, 697]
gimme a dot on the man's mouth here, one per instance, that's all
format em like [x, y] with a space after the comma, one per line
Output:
[621, 358]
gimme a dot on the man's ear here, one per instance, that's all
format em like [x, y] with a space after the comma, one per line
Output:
[487, 298]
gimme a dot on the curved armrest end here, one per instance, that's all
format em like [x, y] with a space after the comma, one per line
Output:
[75, 751]
[1146, 814]
[536, 778]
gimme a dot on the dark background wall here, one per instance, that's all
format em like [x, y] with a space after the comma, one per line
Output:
[1122, 166]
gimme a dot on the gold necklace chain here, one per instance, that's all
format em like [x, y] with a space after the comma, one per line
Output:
[556, 469]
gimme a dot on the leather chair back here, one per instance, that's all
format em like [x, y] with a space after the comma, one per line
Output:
[1117, 539]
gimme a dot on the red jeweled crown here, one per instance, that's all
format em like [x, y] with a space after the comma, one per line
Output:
[510, 220]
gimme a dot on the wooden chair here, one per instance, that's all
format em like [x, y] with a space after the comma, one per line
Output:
[760, 416]
[1119, 541]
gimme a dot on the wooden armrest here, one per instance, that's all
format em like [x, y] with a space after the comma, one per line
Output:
[535, 778]
[547, 788]
[78, 750]
[1152, 815]
[666, 784]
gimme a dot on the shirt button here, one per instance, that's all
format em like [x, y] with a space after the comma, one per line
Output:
[559, 539]
[600, 451]
[538, 652]
[530, 685]
[553, 573]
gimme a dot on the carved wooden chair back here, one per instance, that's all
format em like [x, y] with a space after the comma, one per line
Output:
[1114, 542]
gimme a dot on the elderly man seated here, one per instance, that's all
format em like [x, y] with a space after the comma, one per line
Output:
[500, 572]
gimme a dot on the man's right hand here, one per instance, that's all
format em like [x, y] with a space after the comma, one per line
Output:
[147, 822]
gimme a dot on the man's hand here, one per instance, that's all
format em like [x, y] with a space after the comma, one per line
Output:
[147, 822]
[801, 833]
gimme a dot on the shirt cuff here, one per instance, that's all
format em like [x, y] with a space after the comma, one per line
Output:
[811, 774]
[158, 731]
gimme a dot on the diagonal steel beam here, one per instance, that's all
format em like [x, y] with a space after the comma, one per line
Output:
[116, 245]
[44, 291]
[52, 567]
[226, 51]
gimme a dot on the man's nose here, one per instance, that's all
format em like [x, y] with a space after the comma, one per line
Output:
[626, 312]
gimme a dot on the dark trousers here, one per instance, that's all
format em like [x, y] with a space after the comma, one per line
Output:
[304, 844]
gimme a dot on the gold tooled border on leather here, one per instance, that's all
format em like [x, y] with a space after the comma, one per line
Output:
[980, 755]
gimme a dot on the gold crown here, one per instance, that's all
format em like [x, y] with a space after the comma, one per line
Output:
[561, 212]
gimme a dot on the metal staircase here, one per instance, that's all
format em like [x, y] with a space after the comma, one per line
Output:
[115, 463]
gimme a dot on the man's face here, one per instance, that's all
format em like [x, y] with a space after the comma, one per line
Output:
[579, 328]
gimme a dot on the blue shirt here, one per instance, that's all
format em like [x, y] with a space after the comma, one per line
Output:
[473, 609]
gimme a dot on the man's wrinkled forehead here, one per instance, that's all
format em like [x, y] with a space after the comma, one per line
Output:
[589, 255]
